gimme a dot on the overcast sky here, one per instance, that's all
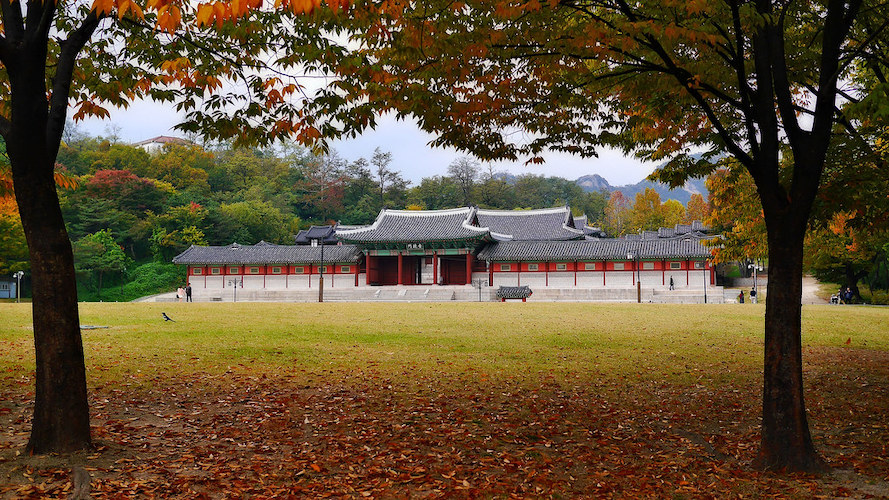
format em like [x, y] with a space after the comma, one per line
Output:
[411, 154]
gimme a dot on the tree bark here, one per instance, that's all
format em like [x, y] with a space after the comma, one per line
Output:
[61, 410]
[786, 441]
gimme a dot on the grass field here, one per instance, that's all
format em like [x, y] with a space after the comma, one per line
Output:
[477, 399]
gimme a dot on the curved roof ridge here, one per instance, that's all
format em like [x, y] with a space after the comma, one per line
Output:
[419, 213]
[522, 212]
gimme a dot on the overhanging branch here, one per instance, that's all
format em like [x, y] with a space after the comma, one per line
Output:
[61, 85]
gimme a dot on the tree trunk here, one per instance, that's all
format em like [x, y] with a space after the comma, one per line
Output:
[786, 441]
[61, 410]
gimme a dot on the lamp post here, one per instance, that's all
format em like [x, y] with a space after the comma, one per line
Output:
[321, 274]
[479, 284]
[755, 267]
[705, 281]
[18, 284]
[234, 284]
[635, 258]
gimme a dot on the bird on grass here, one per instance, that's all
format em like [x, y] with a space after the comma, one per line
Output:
[167, 318]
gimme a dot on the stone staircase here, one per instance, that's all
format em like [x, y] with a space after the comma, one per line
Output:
[465, 293]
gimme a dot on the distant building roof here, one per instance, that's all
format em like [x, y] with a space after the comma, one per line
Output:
[266, 253]
[163, 139]
[326, 234]
[156, 143]
[695, 230]
[550, 224]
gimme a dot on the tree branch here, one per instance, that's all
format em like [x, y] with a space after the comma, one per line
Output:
[61, 85]
[784, 93]
[13, 23]
[744, 90]
[39, 20]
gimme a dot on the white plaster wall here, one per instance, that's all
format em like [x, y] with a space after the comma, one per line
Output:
[619, 279]
[589, 279]
[561, 279]
[210, 283]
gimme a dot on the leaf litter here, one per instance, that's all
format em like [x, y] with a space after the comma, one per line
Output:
[364, 433]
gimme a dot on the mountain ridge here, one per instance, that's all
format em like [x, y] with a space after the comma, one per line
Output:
[595, 182]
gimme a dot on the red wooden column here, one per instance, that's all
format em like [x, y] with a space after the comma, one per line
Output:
[469, 268]
[435, 266]
[575, 273]
[357, 271]
[687, 265]
[367, 262]
[400, 262]
[663, 272]
[490, 273]
[546, 270]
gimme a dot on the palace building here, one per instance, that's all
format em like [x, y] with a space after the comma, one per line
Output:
[547, 250]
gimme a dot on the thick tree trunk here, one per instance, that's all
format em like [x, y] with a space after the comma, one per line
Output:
[61, 410]
[786, 441]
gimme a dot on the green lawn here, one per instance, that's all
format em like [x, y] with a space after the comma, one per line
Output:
[491, 399]
[512, 338]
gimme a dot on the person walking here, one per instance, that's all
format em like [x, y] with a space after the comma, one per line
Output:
[741, 297]
[671, 282]
[753, 296]
[188, 292]
[179, 294]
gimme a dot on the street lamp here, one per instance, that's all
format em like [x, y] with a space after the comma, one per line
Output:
[755, 267]
[706, 275]
[479, 283]
[234, 284]
[635, 258]
[18, 284]
[321, 274]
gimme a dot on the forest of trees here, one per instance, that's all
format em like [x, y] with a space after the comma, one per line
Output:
[131, 212]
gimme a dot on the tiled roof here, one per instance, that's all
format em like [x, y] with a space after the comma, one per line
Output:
[580, 222]
[514, 292]
[530, 225]
[417, 225]
[267, 253]
[605, 249]
[557, 250]
[682, 229]
[591, 232]
[686, 248]
[325, 233]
